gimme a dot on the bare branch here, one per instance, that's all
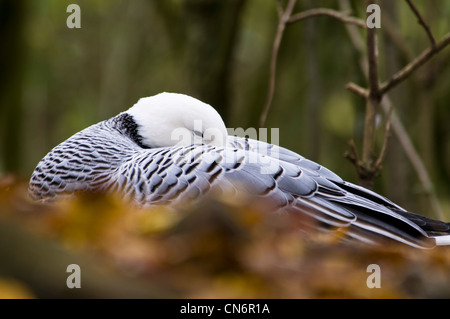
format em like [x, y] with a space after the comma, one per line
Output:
[352, 156]
[273, 62]
[415, 64]
[353, 32]
[396, 123]
[355, 88]
[372, 54]
[422, 22]
[387, 131]
[285, 17]
[279, 9]
[369, 168]
[416, 162]
[328, 12]
[372, 101]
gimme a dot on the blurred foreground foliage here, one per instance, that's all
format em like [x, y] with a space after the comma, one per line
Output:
[220, 248]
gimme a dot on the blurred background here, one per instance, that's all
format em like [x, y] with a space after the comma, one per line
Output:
[55, 81]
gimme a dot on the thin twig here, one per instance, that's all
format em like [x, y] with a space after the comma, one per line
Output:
[352, 156]
[286, 17]
[328, 12]
[372, 56]
[372, 101]
[355, 36]
[422, 22]
[416, 162]
[355, 88]
[396, 123]
[280, 9]
[387, 131]
[273, 62]
[414, 64]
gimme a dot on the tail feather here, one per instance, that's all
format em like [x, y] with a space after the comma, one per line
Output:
[427, 224]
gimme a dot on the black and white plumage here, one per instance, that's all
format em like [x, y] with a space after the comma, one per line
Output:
[171, 148]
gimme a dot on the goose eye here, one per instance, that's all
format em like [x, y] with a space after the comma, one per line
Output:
[198, 133]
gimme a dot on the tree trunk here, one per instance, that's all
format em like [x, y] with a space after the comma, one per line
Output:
[11, 76]
[211, 34]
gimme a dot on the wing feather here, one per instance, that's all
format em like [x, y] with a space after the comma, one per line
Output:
[100, 158]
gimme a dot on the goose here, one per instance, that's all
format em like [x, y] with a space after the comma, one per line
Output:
[171, 148]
